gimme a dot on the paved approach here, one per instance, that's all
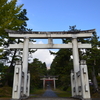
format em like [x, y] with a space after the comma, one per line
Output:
[52, 99]
[50, 95]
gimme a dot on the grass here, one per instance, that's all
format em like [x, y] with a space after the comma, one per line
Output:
[61, 93]
[95, 95]
[37, 92]
[5, 92]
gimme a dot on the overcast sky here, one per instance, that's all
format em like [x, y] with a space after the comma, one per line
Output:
[58, 15]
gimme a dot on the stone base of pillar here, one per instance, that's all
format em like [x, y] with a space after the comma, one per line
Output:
[15, 99]
[81, 98]
[17, 82]
[22, 98]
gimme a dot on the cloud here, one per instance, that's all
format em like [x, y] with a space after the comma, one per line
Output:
[43, 55]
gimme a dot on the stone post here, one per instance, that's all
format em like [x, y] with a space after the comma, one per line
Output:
[25, 62]
[85, 82]
[76, 65]
[16, 93]
[73, 83]
[28, 84]
[54, 83]
[43, 83]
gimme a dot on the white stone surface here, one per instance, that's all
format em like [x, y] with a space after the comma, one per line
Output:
[56, 36]
[85, 82]
[16, 92]
[25, 62]
[48, 46]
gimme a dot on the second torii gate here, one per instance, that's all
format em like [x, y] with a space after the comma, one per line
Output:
[50, 36]
[49, 78]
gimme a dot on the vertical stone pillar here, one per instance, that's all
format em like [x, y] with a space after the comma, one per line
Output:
[22, 84]
[75, 54]
[54, 83]
[16, 93]
[85, 82]
[43, 83]
[73, 83]
[50, 41]
[76, 65]
[25, 62]
[28, 84]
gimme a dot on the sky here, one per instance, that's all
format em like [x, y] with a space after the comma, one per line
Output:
[58, 15]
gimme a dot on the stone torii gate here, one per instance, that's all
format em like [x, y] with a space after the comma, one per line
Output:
[50, 36]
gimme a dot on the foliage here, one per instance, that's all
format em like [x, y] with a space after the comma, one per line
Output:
[14, 18]
[61, 93]
[9, 14]
[37, 92]
[98, 79]
[37, 69]
[61, 66]
[5, 92]
[3, 73]
[9, 19]
[62, 63]
[92, 56]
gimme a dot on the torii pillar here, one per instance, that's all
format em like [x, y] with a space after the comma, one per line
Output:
[77, 85]
[25, 62]
[76, 64]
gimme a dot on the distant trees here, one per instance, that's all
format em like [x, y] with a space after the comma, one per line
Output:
[37, 69]
[61, 66]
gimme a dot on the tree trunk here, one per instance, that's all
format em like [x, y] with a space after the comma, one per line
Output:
[7, 77]
[94, 81]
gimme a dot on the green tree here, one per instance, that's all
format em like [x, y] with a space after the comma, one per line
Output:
[9, 14]
[43, 69]
[92, 56]
[37, 69]
[61, 66]
[14, 18]
[14, 56]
